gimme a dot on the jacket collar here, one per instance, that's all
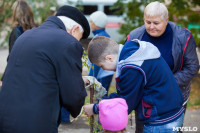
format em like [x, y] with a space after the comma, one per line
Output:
[98, 31]
[56, 21]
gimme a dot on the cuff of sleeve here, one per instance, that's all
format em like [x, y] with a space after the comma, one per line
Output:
[96, 109]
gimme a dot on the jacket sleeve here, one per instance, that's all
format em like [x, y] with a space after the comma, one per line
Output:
[69, 76]
[190, 64]
[131, 87]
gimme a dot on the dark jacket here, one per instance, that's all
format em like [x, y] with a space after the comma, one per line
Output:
[16, 32]
[143, 78]
[44, 72]
[186, 64]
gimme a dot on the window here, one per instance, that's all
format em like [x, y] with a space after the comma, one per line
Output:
[109, 11]
[89, 9]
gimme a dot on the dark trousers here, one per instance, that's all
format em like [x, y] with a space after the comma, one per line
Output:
[65, 115]
[138, 126]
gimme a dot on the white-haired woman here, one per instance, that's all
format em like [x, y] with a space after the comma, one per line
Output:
[176, 45]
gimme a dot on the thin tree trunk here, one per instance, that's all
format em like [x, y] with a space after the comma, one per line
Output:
[91, 101]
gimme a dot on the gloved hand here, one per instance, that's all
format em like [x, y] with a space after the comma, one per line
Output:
[100, 91]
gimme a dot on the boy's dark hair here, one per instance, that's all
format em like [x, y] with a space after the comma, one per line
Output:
[99, 47]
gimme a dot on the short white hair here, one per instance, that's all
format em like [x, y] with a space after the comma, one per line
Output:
[69, 23]
[156, 9]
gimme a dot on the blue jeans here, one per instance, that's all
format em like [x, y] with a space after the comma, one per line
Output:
[167, 128]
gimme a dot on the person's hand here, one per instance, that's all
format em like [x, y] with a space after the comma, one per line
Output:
[86, 81]
[0, 83]
[88, 109]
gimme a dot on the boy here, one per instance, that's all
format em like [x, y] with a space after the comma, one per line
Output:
[143, 79]
[98, 21]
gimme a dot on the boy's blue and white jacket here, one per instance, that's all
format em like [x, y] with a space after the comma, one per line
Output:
[145, 80]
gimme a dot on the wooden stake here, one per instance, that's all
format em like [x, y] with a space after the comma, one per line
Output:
[91, 101]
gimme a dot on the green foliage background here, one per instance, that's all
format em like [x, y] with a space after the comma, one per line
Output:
[41, 10]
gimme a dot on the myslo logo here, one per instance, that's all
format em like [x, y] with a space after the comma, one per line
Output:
[191, 129]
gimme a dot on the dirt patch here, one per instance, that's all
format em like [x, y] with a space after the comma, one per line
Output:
[194, 99]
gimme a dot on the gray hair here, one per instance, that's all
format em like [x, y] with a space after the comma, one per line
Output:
[156, 9]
